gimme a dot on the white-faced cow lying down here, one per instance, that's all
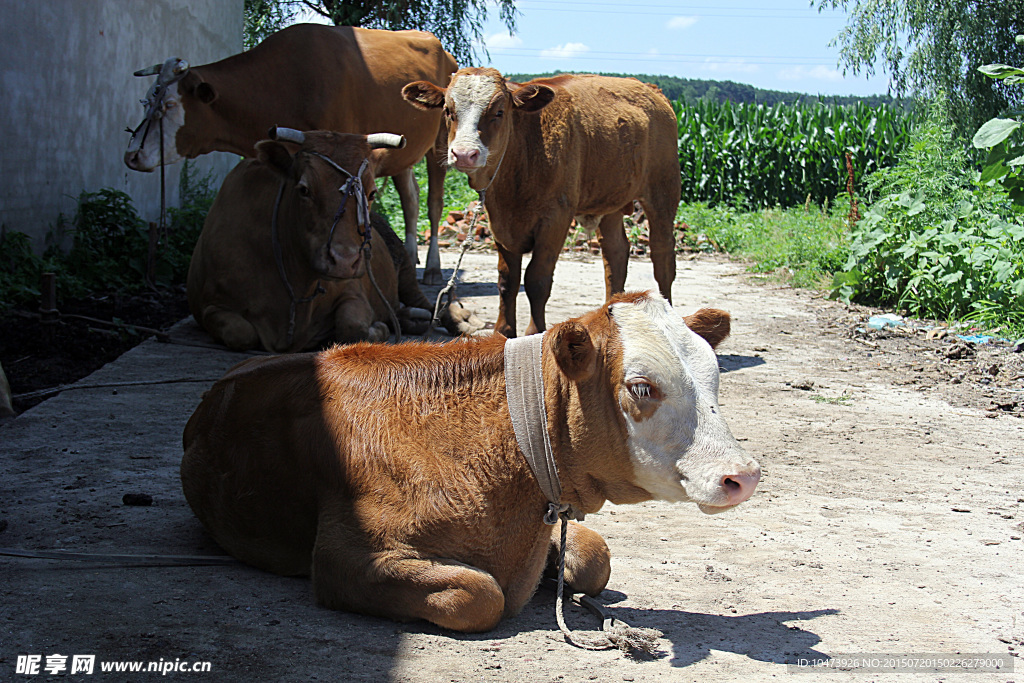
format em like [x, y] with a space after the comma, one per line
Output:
[555, 148]
[279, 264]
[392, 473]
[307, 77]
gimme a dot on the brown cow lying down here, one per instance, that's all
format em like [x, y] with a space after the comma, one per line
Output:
[392, 473]
[307, 285]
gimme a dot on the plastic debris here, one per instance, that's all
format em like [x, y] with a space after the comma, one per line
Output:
[975, 338]
[880, 322]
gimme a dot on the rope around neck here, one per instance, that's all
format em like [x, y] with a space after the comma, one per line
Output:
[524, 391]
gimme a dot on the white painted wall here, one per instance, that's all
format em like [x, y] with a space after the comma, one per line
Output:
[67, 93]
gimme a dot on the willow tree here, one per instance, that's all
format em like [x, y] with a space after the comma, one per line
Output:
[932, 45]
[458, 24]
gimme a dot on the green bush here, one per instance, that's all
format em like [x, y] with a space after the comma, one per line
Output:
[935, 243]
[110, 247]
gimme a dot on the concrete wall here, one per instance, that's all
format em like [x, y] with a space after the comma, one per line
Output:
[67, 93]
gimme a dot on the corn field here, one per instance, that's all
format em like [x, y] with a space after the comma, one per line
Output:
[777, 156]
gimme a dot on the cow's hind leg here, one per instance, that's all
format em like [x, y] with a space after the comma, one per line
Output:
[409, 195]
[660, 205]
[615, 252]
[442, 591]
[229, 328]
[587, 559]
[436, 171]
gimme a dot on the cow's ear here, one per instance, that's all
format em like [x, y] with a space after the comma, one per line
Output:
[574, 350]
[423, 95]
[710, 323]
[531, 97]
[192, 83]
[206, 92]
[275, 155]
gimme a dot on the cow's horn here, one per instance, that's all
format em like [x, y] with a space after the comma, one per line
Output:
[287, 135]
[150, 71]
[378, 140]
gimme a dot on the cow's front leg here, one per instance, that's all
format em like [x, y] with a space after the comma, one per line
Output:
[539, 274]
[355, 321]
[509, 273]
[409, 195]
[614, 252]
[230, 328]
[442, 591]
[588, 563]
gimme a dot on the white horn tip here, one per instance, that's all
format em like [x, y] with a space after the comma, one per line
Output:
[379, 140]
[287, 135]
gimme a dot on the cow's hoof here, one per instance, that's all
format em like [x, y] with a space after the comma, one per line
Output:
[432, 276]
[460, 321]
[378, 332]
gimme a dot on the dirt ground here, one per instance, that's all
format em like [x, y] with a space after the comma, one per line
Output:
[887, 524]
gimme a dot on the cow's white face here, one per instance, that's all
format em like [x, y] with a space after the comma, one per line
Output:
[474, 107]
[143, 153]
[680, 447]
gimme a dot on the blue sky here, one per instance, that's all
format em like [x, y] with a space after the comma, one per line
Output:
[773, 44]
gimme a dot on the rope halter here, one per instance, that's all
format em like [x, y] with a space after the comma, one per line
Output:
[168, 73]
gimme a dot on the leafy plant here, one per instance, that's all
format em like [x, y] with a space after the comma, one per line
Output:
[110, 247]
[1005, 163]
[934, 243]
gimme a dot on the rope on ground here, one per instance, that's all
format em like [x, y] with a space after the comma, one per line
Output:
[53, 391]
[112, 558]
[630, 639]
[449, 288]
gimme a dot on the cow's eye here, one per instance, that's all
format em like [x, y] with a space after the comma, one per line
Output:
[498, 114]
[371, 195]
[641, 390]
[303, 190]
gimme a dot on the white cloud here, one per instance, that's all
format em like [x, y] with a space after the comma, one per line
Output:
[497, 41]
[564, 51]
[682, 22]
[817, 73]
[735, 65]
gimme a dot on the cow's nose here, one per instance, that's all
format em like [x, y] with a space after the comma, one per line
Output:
[739, 487]
[466, 158]
[131, 159]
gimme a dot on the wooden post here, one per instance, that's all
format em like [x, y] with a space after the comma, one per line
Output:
[48, 298]
[154, 237]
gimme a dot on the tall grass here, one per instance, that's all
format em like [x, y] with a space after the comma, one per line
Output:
[778, 156]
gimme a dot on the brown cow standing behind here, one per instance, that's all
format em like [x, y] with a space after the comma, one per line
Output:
[555, 148]
[393, 473]
[309, 285]
[311, 77]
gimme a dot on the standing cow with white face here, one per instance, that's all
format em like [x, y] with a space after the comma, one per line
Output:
[554, 149]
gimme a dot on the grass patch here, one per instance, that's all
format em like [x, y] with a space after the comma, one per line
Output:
[802, 246]
[843, 399]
